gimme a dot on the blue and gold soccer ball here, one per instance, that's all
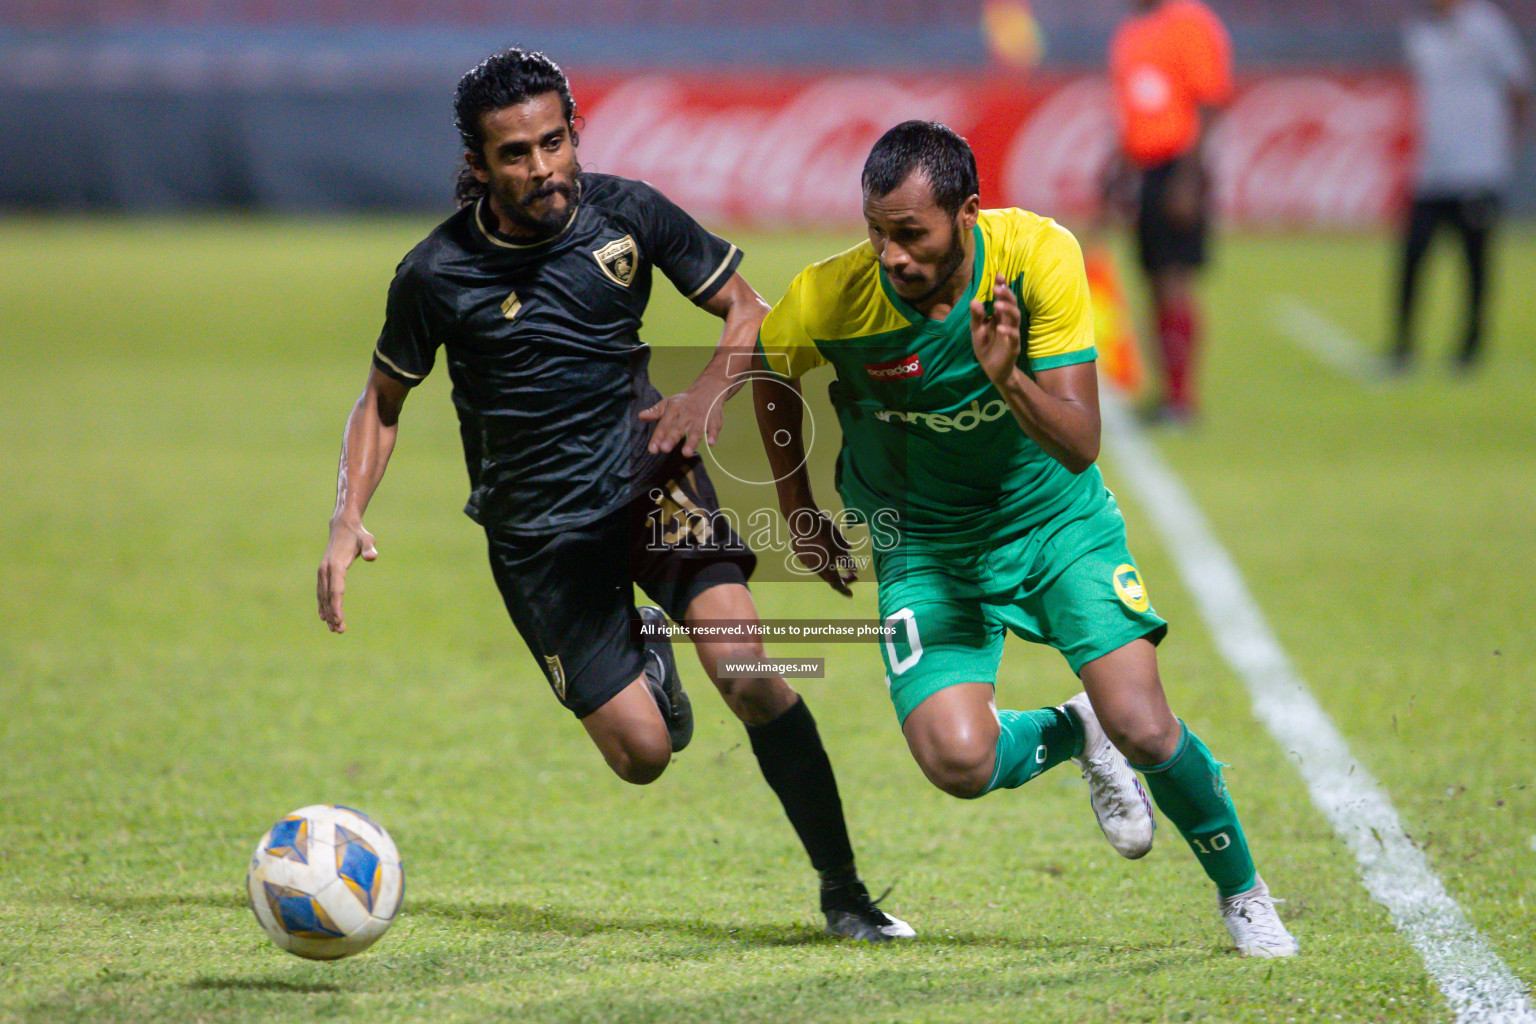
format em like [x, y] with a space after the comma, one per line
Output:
[325, 882]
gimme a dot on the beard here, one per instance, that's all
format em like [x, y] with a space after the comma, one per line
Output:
[518, 209]
[953, 257]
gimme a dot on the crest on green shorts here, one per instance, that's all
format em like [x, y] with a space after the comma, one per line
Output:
[1130, 589]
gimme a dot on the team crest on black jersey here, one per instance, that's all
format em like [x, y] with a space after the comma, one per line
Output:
[618, 260]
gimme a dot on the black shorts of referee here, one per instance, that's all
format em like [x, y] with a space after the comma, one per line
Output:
[1164, 238]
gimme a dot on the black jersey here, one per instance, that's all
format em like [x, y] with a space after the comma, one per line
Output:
[543, 346]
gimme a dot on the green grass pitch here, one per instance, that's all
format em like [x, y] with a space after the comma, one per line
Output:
[174, 399]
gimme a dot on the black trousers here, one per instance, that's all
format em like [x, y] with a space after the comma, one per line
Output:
[1472, 216]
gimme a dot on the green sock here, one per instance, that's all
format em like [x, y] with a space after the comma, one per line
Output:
[1191, 793]
[1029, 742]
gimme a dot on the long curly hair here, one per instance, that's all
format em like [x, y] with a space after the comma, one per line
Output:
[502, 80]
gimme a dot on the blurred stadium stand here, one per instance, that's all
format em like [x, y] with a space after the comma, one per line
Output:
[694, 32]
[169, 104]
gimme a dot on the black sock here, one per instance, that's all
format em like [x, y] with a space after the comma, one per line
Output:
[794, 762]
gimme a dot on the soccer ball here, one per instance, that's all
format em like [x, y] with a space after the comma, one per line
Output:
[325, 882]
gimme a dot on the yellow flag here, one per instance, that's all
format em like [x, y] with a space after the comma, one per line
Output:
[1114, 330]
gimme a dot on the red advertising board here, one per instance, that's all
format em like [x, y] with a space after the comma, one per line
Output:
[1293, 149]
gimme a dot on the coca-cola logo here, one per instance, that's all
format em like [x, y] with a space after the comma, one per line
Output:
[1291, 149]
[1312, 150]
[792, 157]
[1058, 153]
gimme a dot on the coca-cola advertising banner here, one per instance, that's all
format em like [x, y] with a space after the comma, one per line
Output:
[1292, 149]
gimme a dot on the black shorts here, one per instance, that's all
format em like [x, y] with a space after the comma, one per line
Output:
[1161, 240]
[571, 594]
[1469, 213]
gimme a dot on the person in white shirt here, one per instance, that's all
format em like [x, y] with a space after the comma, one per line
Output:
[1473, 82]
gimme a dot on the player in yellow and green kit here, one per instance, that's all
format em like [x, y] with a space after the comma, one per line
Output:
[965, 387]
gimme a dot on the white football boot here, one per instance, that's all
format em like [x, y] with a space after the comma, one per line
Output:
[1254, 925]
[1114, 791]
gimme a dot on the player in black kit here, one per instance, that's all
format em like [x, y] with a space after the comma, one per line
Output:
[534, 291]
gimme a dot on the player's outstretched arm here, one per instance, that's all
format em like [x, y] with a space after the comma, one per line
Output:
[365, 451]
[696, 415]
[1059, 409]
[817, 542]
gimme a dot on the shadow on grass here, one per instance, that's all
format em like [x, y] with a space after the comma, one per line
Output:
[527, 919]
[906, 980]
[151, 901]
[259, 985]
[126, 998]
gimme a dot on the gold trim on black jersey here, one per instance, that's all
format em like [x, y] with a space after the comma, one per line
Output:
[483, 209]
[381, 357]
[723, 264]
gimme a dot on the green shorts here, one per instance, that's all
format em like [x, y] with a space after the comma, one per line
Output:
[1071, 584]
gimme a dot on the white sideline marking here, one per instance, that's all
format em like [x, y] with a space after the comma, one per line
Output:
[1325, 339]
[1475, 981]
